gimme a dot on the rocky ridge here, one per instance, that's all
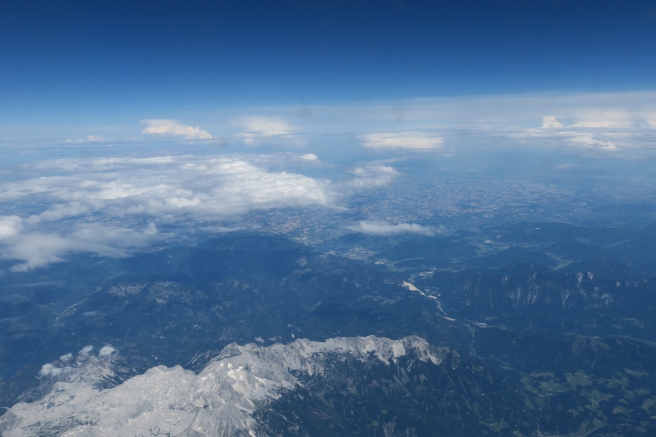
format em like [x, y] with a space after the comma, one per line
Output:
[218, 401]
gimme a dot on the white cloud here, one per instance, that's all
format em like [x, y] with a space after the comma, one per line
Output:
[386, 229]
[257, 128]
[583, 139]
[106, 351]
[88, 194]
[209, 186]
[66, 358]
[162, 126]
[94, 138]
[588, 141]
[372, 176]
[87, 139]
[85, 351]
[496, 118]
[246, 186]
[461, 119]
[37, 249]
[403, 140]
[649, 118]
[601, 124]
[451, 116]
[49, 370]
[309, 157]
[9, 226]
[58, 212]
[605, 119]
[66, 364]
[550, 122]
[593, 119]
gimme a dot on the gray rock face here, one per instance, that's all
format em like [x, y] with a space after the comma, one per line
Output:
[218, 401]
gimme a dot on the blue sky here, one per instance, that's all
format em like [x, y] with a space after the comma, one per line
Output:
[110, 62]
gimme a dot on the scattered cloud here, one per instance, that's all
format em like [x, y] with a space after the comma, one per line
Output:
[162, 126]
[447, 115]
[477, 113]
[65, 367]
[309, 157]
[403, 140]
[386, 229]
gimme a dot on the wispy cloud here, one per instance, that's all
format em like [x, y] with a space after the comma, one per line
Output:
[259, 128]
[403, 140]
[650, 119]
[162, 126]
[87, 139]
[386, 229]
[596, 119]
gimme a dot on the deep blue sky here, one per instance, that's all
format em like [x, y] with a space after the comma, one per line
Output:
[89, 60]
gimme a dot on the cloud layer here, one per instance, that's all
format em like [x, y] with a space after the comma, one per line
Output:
[84, 206]
[403, 140]
[603, 141]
